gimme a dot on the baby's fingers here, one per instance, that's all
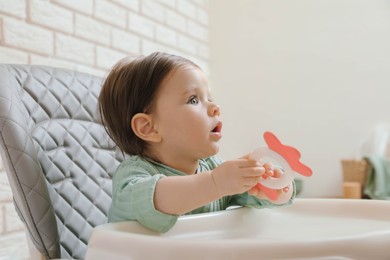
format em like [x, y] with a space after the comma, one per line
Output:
[277, 172]
[269, 169]
[250, 172]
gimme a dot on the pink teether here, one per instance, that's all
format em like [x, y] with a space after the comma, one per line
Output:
[289, 153]
[287, 156]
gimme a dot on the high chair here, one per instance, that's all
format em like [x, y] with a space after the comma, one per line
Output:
[58, 158]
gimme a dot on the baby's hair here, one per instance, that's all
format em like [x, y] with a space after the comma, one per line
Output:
[130, 88]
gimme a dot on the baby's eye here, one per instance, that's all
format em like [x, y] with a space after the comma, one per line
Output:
[193, 100]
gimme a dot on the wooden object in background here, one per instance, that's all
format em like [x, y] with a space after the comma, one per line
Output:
[355, 171]
[352, 190]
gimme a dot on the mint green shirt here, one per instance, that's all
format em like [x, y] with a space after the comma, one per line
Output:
[134, 184]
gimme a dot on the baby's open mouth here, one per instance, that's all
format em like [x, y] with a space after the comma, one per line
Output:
[217, 128]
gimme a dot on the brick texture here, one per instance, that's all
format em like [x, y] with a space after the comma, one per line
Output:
[110, 13]
[90, 29]
[13, 56]
[85, 6]
[126, 41]
[28, 37]
[90, 36]
[65, 32]
[15, 8]
[74, 49]
[51, 16]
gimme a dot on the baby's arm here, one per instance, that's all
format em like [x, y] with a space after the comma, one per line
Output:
[178, 195]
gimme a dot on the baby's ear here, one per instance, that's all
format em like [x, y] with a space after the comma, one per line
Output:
[142, 125]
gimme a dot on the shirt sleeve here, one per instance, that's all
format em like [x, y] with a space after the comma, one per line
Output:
[133, 199]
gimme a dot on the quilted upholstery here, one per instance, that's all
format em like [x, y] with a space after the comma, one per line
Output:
[57, 156]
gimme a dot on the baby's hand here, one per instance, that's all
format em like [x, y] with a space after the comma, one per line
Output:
[280, 196]
[237, 176]
[271, 171]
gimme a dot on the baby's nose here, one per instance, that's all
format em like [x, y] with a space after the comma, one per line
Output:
[214, 110]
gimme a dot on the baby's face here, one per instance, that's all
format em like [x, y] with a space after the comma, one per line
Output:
[186, 116]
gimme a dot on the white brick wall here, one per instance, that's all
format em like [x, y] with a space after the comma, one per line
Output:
[52, 16]
[106, 57]
[187, 8]
[166, 35]
[85, 6]
[110, 13]
[14, 7]
[71, 48]
[88, 28]
[126, 41]
[130, 4]
[13, 56]
[66, 32]
[90, 36]
[21, 35]
[153, 10]
[141, 25]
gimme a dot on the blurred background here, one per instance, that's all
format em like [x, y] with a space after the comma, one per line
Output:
[316, 73]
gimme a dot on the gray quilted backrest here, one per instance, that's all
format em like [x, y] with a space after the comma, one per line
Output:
[58, 158]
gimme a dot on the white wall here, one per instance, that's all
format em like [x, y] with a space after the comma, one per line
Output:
[317, 73]
[92, 35]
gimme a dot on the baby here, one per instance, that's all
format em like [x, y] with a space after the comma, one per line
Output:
[159, 110]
